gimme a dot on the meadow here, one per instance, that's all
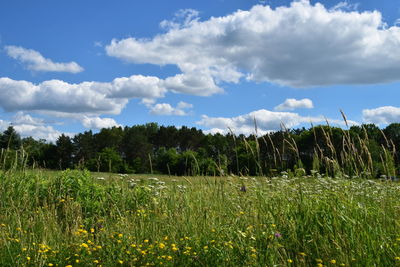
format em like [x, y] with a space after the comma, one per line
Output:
[78, 218]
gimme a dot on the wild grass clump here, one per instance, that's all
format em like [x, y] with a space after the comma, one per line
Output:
[78, 219]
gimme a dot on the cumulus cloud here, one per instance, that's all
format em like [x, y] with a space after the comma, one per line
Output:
[381, 115]
[47, 133]
[182, 18]
[168, 110]
[302, 45]
[292, 104]
[28, 126]
[266, 121]
[65, 99]
[35, 61]
[98, 123]
[22, 118]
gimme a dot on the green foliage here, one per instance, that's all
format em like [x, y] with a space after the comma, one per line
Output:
[361, 151]
[10, 139]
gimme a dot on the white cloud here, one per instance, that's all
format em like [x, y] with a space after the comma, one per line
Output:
[35, 61]
[345, 6]
[168, 110]
[22, 118]
[26, 126]
[266, 121]
[182, 18]
[98, 123]
[39, 132]
[200, 84]
[302, 45]
[184, 105]
[292, 104]
[381, 115]
[65, 99]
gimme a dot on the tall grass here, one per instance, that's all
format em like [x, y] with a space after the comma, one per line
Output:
[73, 218]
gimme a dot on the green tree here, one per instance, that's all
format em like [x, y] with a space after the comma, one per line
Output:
[10, 139]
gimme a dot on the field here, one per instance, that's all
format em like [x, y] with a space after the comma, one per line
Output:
[75, 218]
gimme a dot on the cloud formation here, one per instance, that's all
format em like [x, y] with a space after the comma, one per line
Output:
[302, 45]
[98, 123]
[292, 104]
[91, 98]
[382, 115]
[265, 120]
[35, 61]
[168, 110]
[26, 126]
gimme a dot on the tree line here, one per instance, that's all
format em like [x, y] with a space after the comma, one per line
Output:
[364, 150]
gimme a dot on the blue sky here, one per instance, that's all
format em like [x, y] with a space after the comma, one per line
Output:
[71, 66]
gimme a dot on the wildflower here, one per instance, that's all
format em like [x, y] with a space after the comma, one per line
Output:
[333, 261]
[397, 258]
[169, 257]
[278, 235]
[302, 254]
[95, 261]
[289, 261]
[69, 265]
[146, 241]
[253, 255]
[77, 261]
[120, 261]
[120, 235]
[92, 230]
[161, 245]
[28, 258]
[84, 245]
[50, 264]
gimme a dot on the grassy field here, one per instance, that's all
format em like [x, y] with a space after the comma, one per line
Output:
[75, 218]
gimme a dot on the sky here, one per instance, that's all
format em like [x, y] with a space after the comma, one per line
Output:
[218, 65]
